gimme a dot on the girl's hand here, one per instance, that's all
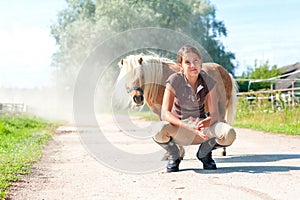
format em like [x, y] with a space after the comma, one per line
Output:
[197, 126]
[201, 134]
[203, 123]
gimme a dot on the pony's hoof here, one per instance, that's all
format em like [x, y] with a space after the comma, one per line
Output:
[223, 153]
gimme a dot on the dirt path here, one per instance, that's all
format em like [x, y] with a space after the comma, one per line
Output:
[258, 166]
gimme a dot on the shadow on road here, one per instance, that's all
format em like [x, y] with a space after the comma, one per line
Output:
[248, 169]
[260, 158]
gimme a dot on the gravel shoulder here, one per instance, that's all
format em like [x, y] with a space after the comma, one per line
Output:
[257, 166]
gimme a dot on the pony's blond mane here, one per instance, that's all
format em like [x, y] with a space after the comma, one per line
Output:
[152, 67]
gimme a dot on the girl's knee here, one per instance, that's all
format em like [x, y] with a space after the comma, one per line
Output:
[162, 136]
[230, 137]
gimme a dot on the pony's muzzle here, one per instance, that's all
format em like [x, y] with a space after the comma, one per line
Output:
[139, 100]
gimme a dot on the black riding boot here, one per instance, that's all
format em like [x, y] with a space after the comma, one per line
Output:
[174, 157]
[208, 162]
[204, 153]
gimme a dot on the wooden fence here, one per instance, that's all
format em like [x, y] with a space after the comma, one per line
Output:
[12, 108]
[288, 96]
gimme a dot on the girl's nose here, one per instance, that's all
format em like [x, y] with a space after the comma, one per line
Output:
[193, 65]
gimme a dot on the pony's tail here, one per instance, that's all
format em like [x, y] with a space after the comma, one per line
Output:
[231, 108]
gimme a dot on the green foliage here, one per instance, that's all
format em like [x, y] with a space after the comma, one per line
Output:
[21, 141]
[85, 22]
[264, 71]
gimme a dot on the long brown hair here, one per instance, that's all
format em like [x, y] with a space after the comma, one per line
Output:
[187, 49]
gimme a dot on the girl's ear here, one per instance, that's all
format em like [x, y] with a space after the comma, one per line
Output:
[180, 67]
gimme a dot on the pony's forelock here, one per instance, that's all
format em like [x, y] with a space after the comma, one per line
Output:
[152, 70]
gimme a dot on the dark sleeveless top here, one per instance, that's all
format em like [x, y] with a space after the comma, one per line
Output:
[186, 102]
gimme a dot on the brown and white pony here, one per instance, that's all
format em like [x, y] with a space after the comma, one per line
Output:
[145, 77]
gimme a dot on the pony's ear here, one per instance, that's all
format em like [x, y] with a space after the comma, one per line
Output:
[140, 60]
[121, 63]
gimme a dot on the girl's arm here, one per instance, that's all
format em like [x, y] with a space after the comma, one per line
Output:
[168, 116]
[167, 105]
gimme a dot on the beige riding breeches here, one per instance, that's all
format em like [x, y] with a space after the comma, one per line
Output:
[224, 133]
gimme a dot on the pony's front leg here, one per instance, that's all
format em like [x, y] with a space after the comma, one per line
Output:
[156, 109]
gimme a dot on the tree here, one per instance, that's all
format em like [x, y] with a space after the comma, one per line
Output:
[264, 71]
[84, 22]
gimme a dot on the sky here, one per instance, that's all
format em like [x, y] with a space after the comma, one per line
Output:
[261, 30]
[26, 45]
[256, 30]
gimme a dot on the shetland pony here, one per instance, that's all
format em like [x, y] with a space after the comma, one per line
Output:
[145, 76]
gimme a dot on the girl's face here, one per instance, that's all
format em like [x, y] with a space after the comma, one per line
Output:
[191, 64]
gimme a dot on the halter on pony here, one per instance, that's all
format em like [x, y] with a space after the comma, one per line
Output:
[139, 100]
[143, 74]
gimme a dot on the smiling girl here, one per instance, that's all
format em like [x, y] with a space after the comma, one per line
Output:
[183, 110]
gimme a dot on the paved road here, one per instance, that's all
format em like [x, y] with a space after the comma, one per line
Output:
[258, 166]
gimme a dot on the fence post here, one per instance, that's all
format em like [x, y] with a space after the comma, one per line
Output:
[272, 97]
[293, 93]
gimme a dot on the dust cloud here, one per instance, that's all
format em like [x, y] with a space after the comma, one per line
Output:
[48, 103]
[56, 102]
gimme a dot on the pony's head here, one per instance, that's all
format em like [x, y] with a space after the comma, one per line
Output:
[134, 78]
[140, 74]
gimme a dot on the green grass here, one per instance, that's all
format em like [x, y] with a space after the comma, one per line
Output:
[147, 115]
[261, 116]
[284, 121]
[21, 142]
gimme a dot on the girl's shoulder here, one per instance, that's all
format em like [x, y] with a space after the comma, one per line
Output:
[176, 80]
[176, 76]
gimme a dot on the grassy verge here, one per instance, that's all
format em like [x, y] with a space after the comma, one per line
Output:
[284, 121]
[21, 144]
[263, 118]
